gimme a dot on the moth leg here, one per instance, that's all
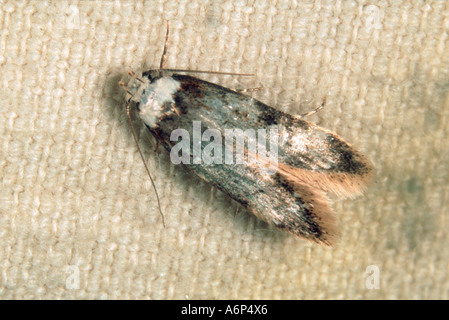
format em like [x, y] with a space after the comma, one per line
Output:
[176, 110]
[236, 211]
[157, 138]
[150, 141]
[247, 90]
[123, 86]
[320, 107]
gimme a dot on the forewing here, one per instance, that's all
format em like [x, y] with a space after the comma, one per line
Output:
[307, 154]
[311, 160]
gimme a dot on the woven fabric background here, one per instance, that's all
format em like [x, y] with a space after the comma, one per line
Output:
[78, 215]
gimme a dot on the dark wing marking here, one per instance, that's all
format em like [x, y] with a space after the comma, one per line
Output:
[315, 221]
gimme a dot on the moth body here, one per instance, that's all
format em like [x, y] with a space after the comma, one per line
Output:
[290, 192]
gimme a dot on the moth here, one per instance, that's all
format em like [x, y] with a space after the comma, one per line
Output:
[289, 193]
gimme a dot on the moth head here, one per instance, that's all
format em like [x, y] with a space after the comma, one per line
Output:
[135, 87]
[152, 95]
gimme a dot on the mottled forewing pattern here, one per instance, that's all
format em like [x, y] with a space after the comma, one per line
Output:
[312, 160]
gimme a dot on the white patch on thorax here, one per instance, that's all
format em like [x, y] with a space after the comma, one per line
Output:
[152, 97]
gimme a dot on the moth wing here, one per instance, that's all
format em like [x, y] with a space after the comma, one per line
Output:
[297, 209]
[307, 154]
[310, 155]
[325, 161]
[311, 160]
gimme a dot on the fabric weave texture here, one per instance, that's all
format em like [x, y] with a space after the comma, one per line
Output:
[78, 215]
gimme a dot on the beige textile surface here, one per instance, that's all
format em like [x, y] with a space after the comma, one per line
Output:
[78, 215]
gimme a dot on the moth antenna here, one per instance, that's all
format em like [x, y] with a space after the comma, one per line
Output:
[128, 114]
[211, 72]
[164, 61]
[133, 75]
[164, 53]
